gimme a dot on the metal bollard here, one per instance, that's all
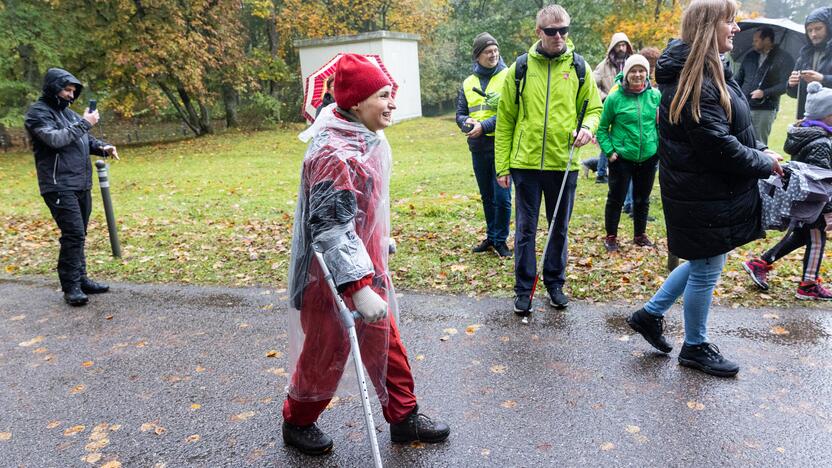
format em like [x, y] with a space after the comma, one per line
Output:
[104, 183]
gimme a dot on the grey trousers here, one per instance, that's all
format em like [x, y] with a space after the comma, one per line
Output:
[762, 120]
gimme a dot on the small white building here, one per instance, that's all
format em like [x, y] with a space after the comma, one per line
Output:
[398, 51]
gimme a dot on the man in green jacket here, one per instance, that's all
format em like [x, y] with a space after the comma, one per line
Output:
[532, 141]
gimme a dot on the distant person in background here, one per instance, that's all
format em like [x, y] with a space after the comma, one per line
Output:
[808, 141]
[763, 76]
[815, 61]
[618, 51]
[62, 144]
[652, 55]
[628, 134]
[478, 114]
[329, 94]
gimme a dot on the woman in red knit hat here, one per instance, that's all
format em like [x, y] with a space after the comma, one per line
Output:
[343, 211]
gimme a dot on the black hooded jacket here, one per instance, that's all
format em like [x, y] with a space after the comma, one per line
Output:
[804, 61]
[60, 137]
[709, 170]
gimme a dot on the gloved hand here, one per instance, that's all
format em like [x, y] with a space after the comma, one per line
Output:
[492, 98]
[369, 304]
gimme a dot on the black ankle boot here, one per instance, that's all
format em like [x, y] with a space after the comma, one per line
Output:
[707, 358]
[418, 427]
[74, 296]
[308, 439]
[91, 287]
[651, 328]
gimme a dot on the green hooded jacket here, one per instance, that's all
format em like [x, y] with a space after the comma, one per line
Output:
[537, 133]
[628, 123]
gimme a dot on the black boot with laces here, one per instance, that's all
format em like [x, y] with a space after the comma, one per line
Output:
[707, 358]
[651, 328]
[418, 427]
[308, 439]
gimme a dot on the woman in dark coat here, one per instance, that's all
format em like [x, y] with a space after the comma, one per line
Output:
[710, 163]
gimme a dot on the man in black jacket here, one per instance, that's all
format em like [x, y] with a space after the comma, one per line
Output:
[62, 146]
[763, 77]
[815, 60]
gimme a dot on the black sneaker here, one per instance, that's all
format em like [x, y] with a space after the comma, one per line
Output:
[418, 427]
[557, 298]
[522, 304]
[651, 328]
[308, 439]
[601, 179]
[483, 246]
[91, 287]
[74, 296]
[502, 249]
[706, 358]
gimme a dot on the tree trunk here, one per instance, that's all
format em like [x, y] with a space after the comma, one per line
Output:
[31, 73]
[230, 99]
[205, 119]
[271, 31]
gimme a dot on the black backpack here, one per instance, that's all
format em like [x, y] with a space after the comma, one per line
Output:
[522, 65]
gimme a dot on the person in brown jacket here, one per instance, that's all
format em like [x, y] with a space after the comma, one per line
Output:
[618, 51]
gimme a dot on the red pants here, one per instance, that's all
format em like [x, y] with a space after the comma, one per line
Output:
[319, 368]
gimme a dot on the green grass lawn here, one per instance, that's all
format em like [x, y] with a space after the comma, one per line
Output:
[219, 209]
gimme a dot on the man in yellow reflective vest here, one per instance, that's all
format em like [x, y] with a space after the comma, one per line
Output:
[476, 115]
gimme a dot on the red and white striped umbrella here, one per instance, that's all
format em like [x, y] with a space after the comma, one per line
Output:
[314, 88]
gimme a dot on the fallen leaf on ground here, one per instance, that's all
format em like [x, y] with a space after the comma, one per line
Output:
[80, 388]
[450, 331]
[200, 369]
[91, 458]
[633, 429]
[334, 401]
[242, 416]
[31, 342]
[53, 424]
[444, 338]
[420, 357]
[5, 435]
[41, 350]
[112, 464]
[74, 430]
[417, 445]
[696, 406]
[771, 316]
[778, 330]
[97, 445]
[153, 426]
[471, 329]
[781, 450]
[508, 404]
[87, 364]
[193, 438]
[195, 406]
[498, 369]
[278, 371]
[17, 317]
[274, 354]
[607, 446]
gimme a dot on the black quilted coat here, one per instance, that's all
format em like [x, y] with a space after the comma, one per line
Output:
[708, 170]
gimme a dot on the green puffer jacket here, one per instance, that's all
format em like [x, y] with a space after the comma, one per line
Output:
[628, 123]
[536, 134]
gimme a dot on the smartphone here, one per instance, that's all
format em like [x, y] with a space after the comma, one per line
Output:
[93, 105]
[467, 127]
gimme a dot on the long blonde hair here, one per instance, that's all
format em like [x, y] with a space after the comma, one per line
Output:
[700, 28]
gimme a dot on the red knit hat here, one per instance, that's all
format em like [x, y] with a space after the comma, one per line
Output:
[356, 79]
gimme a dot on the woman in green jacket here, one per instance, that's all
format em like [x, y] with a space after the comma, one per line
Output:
[628, 134]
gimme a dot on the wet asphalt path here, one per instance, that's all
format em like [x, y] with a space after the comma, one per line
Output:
[179, 375]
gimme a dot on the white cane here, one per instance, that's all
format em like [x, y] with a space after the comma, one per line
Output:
[348, 318]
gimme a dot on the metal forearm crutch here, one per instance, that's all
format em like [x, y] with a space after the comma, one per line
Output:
[560, 195]
[348, 318]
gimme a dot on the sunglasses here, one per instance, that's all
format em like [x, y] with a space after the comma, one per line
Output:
[552, 31]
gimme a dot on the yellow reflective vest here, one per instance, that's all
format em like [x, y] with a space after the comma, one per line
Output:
[477, 107]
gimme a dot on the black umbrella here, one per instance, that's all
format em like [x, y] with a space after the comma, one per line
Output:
[788, 35]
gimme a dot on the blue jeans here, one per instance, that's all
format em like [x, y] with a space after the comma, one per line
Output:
[496, 201]
[601, 169]
[696, 279]
[628, 200]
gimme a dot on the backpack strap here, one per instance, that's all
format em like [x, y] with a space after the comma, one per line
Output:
[520, 67]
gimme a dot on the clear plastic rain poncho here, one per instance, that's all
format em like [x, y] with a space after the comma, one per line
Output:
[343, 211]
